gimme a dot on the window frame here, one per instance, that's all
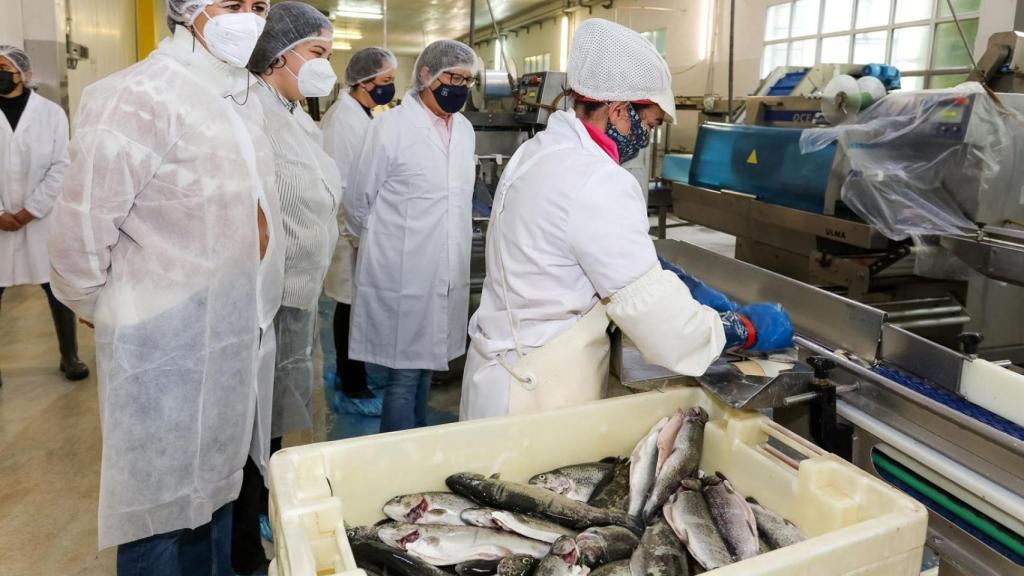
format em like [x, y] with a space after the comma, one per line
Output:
[928, 73]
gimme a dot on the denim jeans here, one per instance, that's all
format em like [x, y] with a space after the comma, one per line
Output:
[405, 396]
[205, 551]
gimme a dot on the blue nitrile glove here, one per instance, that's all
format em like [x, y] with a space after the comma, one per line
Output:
[758, 328]
[700, 291]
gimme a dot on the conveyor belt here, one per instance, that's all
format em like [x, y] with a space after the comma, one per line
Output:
[951, 400]
[951, 508]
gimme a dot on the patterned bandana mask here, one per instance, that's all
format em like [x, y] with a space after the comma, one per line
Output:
[639, 137]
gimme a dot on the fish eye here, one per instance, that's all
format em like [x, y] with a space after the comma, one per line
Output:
[542, 477]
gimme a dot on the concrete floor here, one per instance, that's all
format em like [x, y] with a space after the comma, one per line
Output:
[50, 435]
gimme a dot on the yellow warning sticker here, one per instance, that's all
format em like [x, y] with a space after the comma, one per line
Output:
[752, 159]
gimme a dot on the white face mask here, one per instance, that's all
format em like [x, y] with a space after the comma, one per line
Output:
[232, 37]
[316, 77]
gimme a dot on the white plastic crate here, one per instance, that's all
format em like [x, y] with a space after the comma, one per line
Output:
[855, 523]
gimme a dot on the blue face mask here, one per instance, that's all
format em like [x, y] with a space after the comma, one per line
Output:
[382, 95]
[450, 98]
[630, 145]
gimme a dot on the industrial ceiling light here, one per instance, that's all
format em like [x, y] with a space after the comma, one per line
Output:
[348, 35]
[341, 46]
[358, 13]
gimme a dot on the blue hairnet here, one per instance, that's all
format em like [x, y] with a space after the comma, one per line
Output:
[184, 11]
[288, 25]
[18, 57]
[442, 56]
[367, 63]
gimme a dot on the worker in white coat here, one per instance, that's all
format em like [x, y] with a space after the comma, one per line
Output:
[369, 82]
[409, 204]
[568, 250]
[33, 158]
[291, 62]
[157, 239]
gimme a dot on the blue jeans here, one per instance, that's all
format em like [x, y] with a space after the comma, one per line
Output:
[205, 551]
[405, 396]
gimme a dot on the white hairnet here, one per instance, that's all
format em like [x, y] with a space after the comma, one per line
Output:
[288, 25]
[612, 63]
[442, 56]
[18, 57]
[184, 11]
[367, 63]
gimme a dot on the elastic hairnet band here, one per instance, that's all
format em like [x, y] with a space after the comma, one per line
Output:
[581, 98]
[329, 40]
[368, 78]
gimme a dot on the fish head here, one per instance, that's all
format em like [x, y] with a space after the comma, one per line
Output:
[566, 549]
[591, 546]
[409, 508]
[518, 565]
[690, 485]
[553, 481]
[465, 483]
[399, 535]
[482, 517]
[696, 414]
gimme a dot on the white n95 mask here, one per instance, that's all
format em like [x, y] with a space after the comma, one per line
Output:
[316, 77]
[232, 37]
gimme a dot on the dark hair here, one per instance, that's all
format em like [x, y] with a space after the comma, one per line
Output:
[587, 106]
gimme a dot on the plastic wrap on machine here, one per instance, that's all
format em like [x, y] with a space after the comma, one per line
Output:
[918, 162]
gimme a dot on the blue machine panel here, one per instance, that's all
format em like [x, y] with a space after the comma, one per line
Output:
[765, 162]
[789, 82]
[676, 167]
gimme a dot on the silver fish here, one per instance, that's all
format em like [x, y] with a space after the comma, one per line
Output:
[642, 464]
[620, 568]
[688, 515]
[521, 524]
[660, 553]
[442, 545]
[518, 565]
[681, 463]
[599, 546]
[564, 560]
[733, 517]
[776, 531]
[577, 481]
[667, 439]
[428, 508]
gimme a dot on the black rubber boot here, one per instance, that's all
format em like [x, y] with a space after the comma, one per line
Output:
[65, 323]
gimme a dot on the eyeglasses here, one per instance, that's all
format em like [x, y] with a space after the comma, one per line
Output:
[460, 80]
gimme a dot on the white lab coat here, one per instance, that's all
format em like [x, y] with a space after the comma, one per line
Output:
[33, 159]
[574, 231]
[410, 205]
[154, 239]
[344, 127]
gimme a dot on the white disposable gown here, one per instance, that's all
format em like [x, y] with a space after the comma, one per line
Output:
[309, 188]
[574, 232]
[344, 127]
[410, 205]
[33, 159]
[155, 240]
[269, 286]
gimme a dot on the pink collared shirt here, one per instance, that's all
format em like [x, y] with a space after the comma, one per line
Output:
[443, 127]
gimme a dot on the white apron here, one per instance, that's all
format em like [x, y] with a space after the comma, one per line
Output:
[570, 369]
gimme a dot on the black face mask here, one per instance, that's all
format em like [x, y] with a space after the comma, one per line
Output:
[450, 98]
[7, 83]
[382, 95]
